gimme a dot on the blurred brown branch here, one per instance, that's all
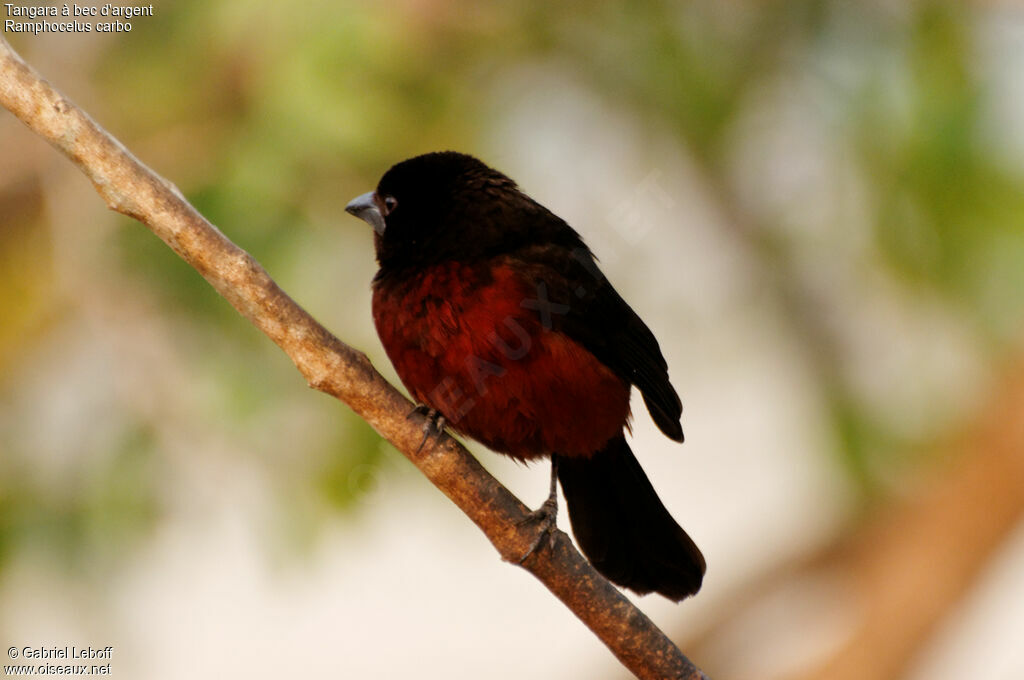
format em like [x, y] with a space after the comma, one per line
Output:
[333, 367]
[913, 564]
[910, 565]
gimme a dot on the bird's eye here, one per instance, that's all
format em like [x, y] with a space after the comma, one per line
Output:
[390, 203]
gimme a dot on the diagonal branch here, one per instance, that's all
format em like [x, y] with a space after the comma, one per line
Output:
[331, 366]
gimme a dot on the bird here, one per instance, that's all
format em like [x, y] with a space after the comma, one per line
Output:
[500, 324]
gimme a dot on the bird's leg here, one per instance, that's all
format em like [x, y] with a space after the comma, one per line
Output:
[434, 424]
[546, 514]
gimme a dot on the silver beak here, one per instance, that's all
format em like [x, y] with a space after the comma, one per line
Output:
[365, 208]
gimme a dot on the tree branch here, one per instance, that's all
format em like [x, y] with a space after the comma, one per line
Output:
[331, 366]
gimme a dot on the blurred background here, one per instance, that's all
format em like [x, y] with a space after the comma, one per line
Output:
[817, 206]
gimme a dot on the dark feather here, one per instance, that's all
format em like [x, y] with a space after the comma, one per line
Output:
[598, 318]
[623, 528]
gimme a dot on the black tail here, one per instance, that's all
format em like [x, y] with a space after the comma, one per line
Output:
[622, 526]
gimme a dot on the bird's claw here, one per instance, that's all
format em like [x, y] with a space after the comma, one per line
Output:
[547, 516]
[433, 425]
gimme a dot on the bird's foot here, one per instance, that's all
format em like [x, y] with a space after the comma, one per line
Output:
[546, 515]
[432, 426]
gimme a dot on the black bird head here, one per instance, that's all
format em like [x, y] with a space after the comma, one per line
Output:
[449, 205]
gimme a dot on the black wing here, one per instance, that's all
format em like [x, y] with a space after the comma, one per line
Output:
[585, 306]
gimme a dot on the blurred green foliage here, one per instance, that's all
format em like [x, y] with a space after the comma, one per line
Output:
[945, 204]
[84, 526]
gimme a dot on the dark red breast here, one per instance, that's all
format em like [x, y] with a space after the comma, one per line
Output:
[464, 343]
